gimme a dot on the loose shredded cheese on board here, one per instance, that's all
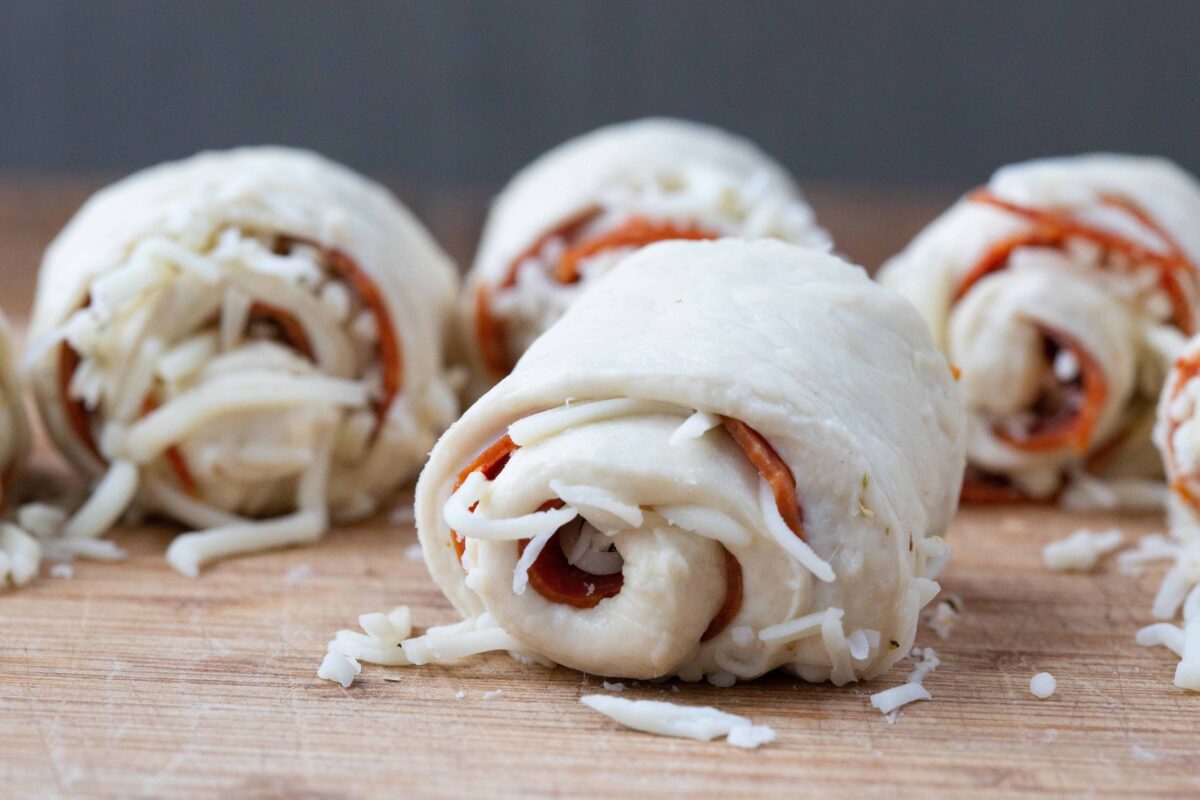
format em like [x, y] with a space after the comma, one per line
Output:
[703, 723]
[1042, 685]
[1082, 550]
[889, 701]
[379, 645]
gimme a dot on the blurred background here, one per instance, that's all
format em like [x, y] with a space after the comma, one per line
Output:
[446, 98]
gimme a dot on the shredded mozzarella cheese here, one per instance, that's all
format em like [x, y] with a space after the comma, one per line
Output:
[694, 427]
[796, 547]
[1042, 685]
[476, 525]
[1082, 550]
[703, 723]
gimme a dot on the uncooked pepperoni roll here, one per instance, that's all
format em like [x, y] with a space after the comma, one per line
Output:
[247, 341]
[570, 215]
[20, 554]
[1061, 291]
[1177, 436]
[14, 428]
[725, 458]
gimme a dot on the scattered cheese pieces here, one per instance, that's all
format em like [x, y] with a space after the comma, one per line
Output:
[379, 645]
[1082, 550]
[1042, 685]
[889, 701]
[339, 668]
[64, 571]
[703, 723]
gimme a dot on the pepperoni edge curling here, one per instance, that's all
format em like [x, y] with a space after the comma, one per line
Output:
[637, 231]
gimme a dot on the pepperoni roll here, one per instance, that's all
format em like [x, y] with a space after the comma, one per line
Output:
[725, 458]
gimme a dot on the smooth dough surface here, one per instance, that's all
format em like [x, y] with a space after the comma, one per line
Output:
[838, 374]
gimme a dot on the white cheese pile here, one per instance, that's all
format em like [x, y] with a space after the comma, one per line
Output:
[703, 723]
[379, 645]
[1082, 550]
[889, 701]
[1178, 594]
[1042, 685]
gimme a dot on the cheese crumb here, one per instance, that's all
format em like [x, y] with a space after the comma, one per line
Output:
[1042, 685]
[339, 668]
[889, 701]
[703, 723]
[1082, 550]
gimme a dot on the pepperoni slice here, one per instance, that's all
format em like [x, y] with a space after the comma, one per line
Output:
[492, 336]
[1074, 428]
[985, 490]
[290, 329]
[489, 462]
[1052, 229]
[6, 482]
[637, 231]
[773, 469]
[174, 457]
[733, 598]
[559, 581]
[391, 358]
[76, 411]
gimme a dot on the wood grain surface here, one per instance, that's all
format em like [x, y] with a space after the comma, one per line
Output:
[128, 680]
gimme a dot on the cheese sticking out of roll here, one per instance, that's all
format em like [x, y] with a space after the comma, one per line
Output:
[249, 342]
[570, 215]
[1061, 291]
[725, 458]
[1177, 603]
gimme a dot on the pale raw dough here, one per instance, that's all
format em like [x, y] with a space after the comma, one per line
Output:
[169, 261]
[661, 169]
[991, 334]
[838, 374]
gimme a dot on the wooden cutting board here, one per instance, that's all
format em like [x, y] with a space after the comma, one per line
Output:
[128, 680]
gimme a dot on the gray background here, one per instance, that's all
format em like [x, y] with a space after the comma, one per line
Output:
[463, 93]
